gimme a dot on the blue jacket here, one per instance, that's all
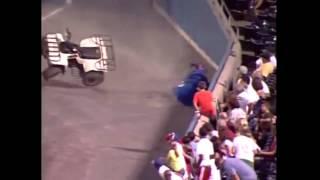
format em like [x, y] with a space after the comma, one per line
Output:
[185, 92]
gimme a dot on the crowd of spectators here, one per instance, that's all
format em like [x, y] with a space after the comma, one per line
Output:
[234, 139]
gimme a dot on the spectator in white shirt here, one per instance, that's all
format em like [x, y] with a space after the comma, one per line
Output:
[255, 76]
[235, 111]
[260, 85]
[204, 157]
[246, 95]
[245, 148]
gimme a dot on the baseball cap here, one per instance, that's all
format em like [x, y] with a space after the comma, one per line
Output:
[265, 54]
[172, 136]
[243, 69]
[157, 163]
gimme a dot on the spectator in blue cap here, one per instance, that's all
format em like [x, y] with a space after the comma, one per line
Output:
[164, 172]
[234, 168]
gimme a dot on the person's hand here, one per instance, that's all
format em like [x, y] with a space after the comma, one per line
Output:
[197, 113]
[223, 115]
[196, 169]
[274, 119]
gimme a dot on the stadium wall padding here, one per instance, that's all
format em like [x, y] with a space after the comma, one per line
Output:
[195, 17]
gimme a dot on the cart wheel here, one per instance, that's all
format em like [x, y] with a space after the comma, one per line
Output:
[93, 78]
[51, 72]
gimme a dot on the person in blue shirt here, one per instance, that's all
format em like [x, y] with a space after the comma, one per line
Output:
[233, 168]
[186, 90]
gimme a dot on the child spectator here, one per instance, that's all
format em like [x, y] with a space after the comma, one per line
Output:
[193, 142]
[175, 156]
[203, 101]
[246, 95]
[204, 155]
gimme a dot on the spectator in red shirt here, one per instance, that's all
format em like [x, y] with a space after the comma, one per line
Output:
[203, 101]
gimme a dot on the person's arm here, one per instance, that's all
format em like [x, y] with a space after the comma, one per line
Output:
[250, 108]
[195, 102]
[172, 155]
[258, 63]
[274, 119]
[268, 153]
[256, 148]
[168, 158]
[233, 150]
[274, 61]
[232, 173]
[235, 177]
[229, 145]
[214, 99]
[175, 151]
[265, 88]
[199, 160]
[187, 156]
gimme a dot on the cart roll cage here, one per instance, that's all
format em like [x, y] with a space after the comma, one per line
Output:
[107, 61]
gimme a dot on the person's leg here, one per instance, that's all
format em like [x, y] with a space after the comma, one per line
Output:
[205, 173]
[201, 121]
[213, 122]
[215, 173]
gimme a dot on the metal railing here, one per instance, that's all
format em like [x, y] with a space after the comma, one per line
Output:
[225, 17]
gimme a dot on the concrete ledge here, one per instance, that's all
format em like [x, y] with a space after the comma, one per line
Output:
[228, 73]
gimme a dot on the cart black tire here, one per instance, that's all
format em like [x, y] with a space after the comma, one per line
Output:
[51, 72]
[44, 48]
[92, 78]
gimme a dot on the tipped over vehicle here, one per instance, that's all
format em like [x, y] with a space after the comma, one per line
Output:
[93, 56]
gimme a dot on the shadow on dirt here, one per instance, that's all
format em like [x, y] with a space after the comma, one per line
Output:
[132, 149]
[61, 84]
